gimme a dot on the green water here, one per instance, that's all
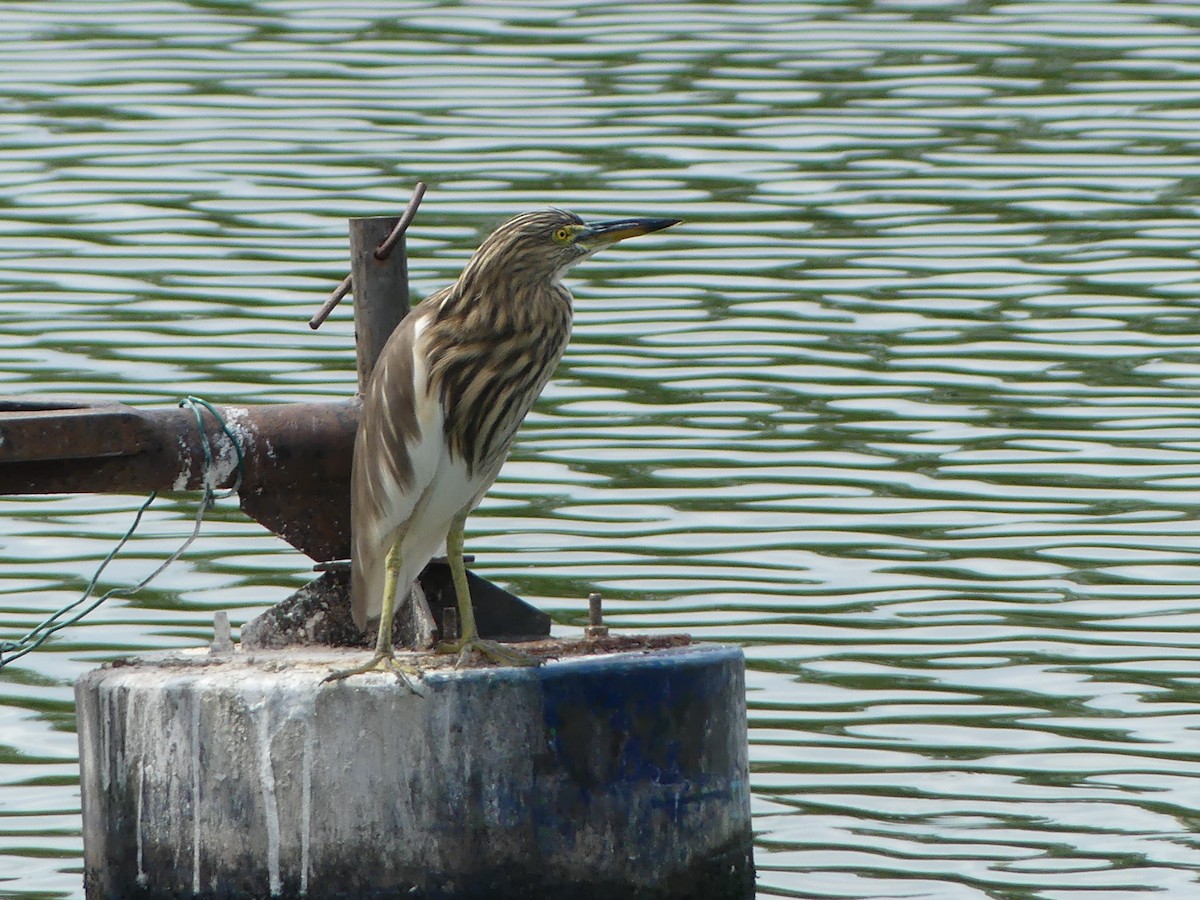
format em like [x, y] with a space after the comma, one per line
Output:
[907, 408]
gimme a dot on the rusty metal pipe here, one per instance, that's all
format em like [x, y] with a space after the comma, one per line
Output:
[296, 470]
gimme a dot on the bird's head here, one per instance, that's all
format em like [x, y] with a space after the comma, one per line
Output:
[545, 243]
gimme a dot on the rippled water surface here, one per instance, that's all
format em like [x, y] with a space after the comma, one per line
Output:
[909, 407]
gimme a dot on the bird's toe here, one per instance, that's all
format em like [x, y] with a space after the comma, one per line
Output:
[409, 676]
[491, 650]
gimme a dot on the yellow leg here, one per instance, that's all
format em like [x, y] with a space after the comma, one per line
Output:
[384, 659]
[470, 639]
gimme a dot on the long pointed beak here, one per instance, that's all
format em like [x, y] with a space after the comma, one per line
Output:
[601, 234]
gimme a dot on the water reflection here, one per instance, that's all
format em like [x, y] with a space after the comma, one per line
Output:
[907, 409]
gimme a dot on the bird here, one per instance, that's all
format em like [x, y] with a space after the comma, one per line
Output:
[441, 408]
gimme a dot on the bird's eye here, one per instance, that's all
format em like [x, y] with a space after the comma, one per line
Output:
[563, 235]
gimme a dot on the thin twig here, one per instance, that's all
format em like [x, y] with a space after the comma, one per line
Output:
[327, 307]
[381, 252]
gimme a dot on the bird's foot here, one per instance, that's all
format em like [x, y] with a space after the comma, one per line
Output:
[383, 661]
[493, 650]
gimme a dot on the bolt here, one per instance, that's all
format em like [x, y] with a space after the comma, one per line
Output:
[596, 627]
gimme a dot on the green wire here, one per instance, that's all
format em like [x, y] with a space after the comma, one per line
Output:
[194, 404]
[38, 635]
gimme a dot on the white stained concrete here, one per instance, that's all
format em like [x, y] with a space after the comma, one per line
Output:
[244, 775]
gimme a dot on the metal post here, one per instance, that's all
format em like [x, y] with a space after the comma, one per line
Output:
[380, 288]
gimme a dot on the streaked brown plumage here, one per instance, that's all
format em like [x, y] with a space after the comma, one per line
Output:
[447, 395]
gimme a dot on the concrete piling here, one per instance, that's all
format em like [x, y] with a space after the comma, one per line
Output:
[242, 775]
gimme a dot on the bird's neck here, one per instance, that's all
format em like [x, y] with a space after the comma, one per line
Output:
[508, 337]
[509, 303]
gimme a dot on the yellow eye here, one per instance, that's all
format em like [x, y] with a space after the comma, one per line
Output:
[563, 235]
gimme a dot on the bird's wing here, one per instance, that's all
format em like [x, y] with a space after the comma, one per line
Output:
[396, 455]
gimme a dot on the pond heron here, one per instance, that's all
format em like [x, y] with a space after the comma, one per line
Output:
[446, 396]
